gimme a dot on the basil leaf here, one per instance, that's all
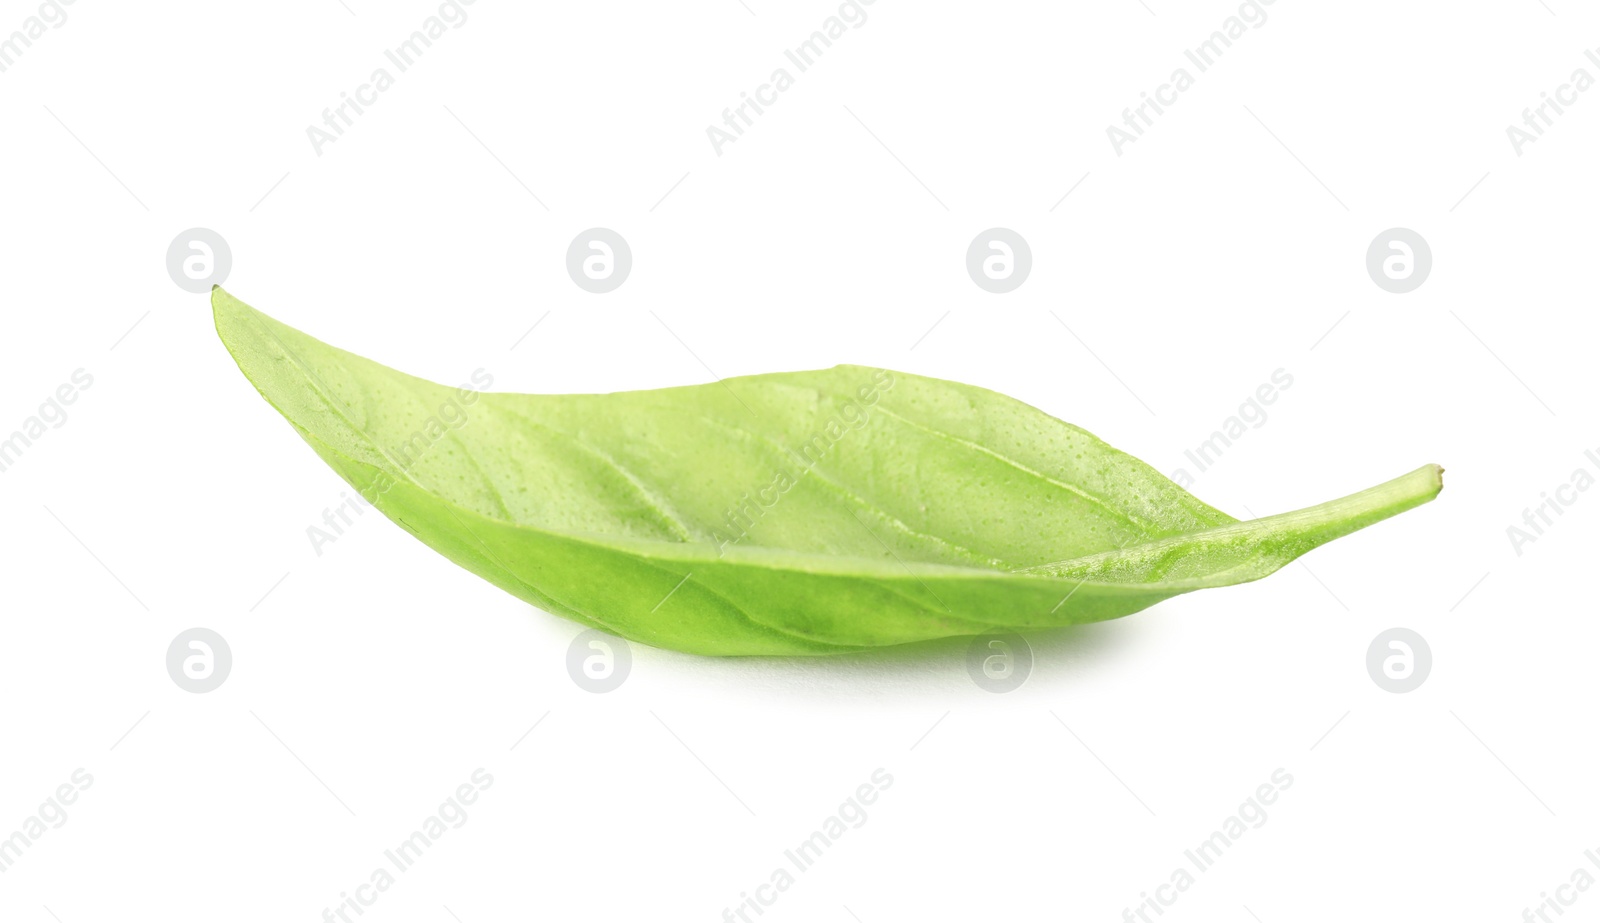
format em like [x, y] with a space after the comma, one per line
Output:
[797, 513]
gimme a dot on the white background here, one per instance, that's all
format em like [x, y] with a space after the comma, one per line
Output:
[370, 681]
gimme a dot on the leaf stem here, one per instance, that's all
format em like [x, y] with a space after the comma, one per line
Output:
[1251, 549]
[1335, 518]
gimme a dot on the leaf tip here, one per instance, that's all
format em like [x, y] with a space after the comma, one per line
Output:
[224, 306]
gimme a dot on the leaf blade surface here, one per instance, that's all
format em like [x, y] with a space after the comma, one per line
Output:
[792, 513]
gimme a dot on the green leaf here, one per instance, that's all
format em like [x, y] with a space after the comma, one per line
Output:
[796, 513]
